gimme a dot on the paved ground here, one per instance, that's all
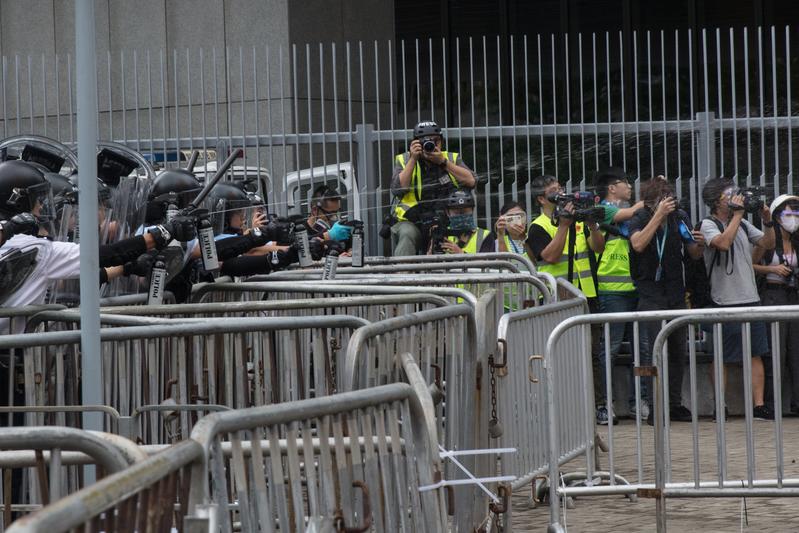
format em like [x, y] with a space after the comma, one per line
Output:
[616, 513]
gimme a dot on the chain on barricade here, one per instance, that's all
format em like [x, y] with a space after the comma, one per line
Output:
[495, 429]
[497, 519]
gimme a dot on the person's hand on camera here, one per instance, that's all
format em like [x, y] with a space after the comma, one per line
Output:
[765, 214]
[450, 247]
[737, 204]
[416, 149]
[566, 215]
[501, 225]
[259, 220]
[665, 207]
[436, 156]
[781, 270]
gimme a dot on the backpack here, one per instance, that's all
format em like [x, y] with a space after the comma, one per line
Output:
[697, 276]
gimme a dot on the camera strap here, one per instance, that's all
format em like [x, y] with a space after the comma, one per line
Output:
[572, 240]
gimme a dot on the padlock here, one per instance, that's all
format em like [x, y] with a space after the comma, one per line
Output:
[495, 428]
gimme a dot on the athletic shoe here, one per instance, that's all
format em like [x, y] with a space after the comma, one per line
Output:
[602, 416]
[678, 413]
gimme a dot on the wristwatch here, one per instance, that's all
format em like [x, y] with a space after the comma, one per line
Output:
[444, 164]
[769, 224]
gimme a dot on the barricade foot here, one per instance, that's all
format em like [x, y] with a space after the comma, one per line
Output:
[576, 479]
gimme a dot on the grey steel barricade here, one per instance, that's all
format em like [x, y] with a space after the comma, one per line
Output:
[150, 495]
[444, 344]
[235, 362]
[642, 481]
[260, 290]
[521, 261]
[757, 476]
[369, 307]
[45, 454]
[351, 460]
[520, 386]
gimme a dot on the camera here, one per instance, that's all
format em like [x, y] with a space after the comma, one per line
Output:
[439, 230]
[584, 202]
[753, 196]
[428, 144]
[385, 229]
[279, 230]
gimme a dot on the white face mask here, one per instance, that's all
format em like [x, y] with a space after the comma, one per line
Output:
[789, 223]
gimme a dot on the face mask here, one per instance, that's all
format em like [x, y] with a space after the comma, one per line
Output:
[789, 223]
[461, 223]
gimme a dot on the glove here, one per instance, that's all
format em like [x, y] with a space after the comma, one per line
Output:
[340, 232]
[316, 248]
[182, 227]
[21, 224]
[286, 258]
[279, 231]
[142, 266]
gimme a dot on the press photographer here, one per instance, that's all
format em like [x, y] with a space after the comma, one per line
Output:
[456, 233]
[563, 236]
[423, 177]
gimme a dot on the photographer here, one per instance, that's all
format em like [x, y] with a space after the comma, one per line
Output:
[660, 236]
[559, 242]
[615, 287]
[461, 236]
[423, 177]
[779, 269]
[511, 230]
[728, 261]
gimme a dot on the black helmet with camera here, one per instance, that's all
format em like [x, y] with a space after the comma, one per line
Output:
[426, 132]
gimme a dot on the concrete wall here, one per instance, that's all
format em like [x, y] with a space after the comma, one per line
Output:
[149, 58]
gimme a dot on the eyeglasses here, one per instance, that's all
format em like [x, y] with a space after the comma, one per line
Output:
[624, 181]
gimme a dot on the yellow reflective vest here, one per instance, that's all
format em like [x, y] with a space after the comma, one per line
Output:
[582, 277]
[613, 266]
[414, 195]
[475, 241]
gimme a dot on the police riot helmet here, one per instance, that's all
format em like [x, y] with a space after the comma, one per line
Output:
[459, 198]
[177, 186]
[23, 188]
[226, 198]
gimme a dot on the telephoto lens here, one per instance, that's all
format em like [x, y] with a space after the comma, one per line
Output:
[428, 145]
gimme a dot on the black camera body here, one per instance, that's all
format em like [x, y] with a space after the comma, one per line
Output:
[279, 230]
[753, 198]
[428, 144]
[584, 202]
[439, 231]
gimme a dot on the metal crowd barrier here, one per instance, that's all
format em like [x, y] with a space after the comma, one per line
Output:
[150, 495]
[156, 369]
[520, 389]
[352, 460]
[762, 478]
[523, 262]
[36, 463]
[444, 345]
[658, 484]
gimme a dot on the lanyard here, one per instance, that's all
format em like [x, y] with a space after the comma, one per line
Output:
[661, 245]
[513, 245]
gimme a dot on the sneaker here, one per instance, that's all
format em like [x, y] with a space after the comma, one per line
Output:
[762, 412]
[679, 413]
[602, 416]
[726, 414]
[644, 410]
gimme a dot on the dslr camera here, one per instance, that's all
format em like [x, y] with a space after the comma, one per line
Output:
[584, 202]
[753, 198]
[439, 230]
[428, 144]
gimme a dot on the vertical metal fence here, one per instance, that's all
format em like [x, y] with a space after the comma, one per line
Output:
[688, 105]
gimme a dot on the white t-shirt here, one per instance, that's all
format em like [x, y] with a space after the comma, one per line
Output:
[732, 282]
[54, 261]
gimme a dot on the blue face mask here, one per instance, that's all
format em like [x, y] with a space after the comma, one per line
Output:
[461, 223]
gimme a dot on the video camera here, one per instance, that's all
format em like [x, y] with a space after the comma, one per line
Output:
[584, 202]
[753, 198]
[439, 231]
